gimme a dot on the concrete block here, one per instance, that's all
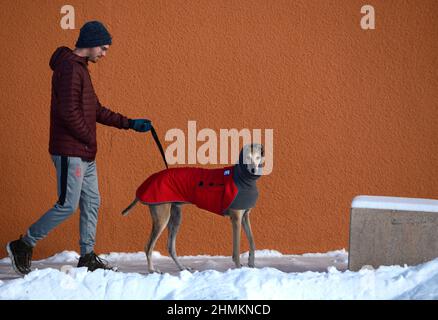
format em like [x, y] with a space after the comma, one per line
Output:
[392, 231]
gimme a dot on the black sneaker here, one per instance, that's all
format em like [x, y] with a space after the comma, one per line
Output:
[93, 262]
[21, 255]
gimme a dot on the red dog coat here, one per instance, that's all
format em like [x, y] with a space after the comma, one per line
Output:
[210, 189]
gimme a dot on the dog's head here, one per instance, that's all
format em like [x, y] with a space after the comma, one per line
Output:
[252, 158]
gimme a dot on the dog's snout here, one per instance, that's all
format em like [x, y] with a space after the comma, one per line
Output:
[253, 171]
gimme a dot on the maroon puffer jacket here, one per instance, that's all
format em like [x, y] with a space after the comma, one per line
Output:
[75, 108]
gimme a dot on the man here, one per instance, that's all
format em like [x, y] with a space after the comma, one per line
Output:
[75, 109]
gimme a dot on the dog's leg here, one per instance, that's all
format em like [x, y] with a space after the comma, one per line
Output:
[160, 217]
[247, 227]
[236, 221]
[173, 227]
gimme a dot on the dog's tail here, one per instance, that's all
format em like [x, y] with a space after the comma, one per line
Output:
[126, 211]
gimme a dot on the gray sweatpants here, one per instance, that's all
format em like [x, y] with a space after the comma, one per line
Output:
[77, 186]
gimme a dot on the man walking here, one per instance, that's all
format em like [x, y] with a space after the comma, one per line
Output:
[75, 109]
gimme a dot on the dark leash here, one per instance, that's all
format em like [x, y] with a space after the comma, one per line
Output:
[160, 147]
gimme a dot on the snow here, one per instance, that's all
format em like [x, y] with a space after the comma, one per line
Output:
[395, 203]
[277, 276]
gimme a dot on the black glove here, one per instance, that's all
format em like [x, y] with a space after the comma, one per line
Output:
[140, 125]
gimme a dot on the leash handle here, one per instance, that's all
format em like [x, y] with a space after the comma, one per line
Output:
[160, 147]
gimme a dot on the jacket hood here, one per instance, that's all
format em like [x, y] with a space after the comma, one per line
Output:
[62, 54]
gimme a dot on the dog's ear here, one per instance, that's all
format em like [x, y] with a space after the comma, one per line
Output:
[260, 147]
[262, 154]
[257, 146]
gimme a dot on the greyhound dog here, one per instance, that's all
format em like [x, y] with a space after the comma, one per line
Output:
[229, 191]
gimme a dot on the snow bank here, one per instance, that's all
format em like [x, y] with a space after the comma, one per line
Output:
[395, 282]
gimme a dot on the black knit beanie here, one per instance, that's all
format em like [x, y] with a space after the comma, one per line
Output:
[93, 34]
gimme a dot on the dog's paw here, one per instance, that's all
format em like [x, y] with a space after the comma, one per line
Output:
[237, 263]
[157, 271]
[187, 269]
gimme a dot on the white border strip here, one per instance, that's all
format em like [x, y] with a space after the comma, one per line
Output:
[395, 203]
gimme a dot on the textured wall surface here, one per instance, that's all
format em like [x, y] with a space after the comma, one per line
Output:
[353, 111]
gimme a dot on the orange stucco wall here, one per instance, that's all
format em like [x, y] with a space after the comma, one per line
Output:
[353, 111]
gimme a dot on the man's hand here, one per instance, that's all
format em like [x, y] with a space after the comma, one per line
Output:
[140, 125]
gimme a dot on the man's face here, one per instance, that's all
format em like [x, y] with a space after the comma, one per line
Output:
[97, 52]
